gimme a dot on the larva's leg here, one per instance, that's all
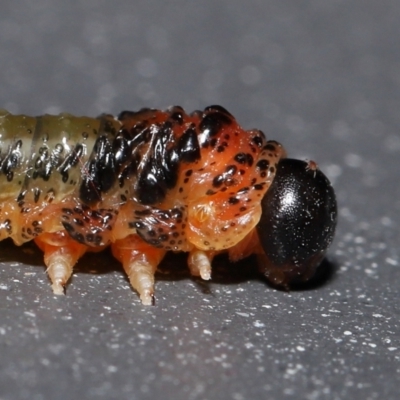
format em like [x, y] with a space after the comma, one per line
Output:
[61, 253]
[140, 261]
[199, 263]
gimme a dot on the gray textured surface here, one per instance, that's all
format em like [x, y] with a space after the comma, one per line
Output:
[323, 78]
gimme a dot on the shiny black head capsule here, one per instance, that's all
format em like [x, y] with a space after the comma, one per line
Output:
[298, 221]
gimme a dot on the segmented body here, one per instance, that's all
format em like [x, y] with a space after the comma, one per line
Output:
[153, 181]
[180, 182]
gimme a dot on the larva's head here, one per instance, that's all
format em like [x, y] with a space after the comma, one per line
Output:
[299, 215]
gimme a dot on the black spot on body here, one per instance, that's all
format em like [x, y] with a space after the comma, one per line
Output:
[11, 160]
[244, 158]
[70, 161]
[37, 193]
[78, 222]
[159, 171]
[213, 121]
[219, 109]
[7, 225]
[78, 210]
[21, 197]
[263, 165]
[69, 228]
[126, 115]
[121, 147]
[218, 181]
[270, 146]
[142, 213]
[176, 114]
[149, 188]
[231, 170]
[258, 141]
[100, 173]
[163, 238]
[188, 146]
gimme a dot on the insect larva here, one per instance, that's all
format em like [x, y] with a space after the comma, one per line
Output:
[153, 181]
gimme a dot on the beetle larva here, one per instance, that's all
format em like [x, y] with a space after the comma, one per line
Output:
[152, 181]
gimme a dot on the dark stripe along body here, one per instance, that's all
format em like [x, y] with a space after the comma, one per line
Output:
[146, 182]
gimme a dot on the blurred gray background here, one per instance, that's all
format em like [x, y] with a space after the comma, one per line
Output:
[322, 77]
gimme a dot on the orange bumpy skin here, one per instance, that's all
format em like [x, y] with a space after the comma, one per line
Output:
[145, 183]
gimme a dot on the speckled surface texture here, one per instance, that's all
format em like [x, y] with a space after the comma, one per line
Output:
[323, 78]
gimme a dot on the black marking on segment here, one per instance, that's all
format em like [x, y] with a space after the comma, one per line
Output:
[188, 146]
[37, 193]
[106, 127]
[262, 165]
[99, 173]
[158, 166]
[12, 160]
[219, 109]
[161, 228]
[225, 179]
[87, 226]
[177, 114]
[35, 137]
[213, 120]
[71, 160]
[47, 161]
[122, 148]
[244, 158]
[125, 115]
[259, 138]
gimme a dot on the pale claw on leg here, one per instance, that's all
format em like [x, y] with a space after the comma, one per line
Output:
[141, 277]
[140, 261]
[199, 263]
[61, 253]
[59, 271]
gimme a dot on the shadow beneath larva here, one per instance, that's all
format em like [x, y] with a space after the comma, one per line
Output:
[172, 268]
[324, 275]
[225, 272]
[30, 255]
[27, 254]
